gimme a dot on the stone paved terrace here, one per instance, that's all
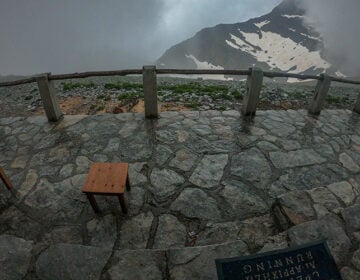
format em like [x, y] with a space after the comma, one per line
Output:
[205, 185]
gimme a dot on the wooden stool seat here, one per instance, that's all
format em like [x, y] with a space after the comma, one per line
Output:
[107, 179]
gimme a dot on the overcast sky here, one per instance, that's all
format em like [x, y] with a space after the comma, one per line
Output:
[62, 36]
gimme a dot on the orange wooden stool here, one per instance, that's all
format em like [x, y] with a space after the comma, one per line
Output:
[107, 179]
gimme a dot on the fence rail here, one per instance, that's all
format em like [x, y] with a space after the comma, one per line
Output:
[149, 73]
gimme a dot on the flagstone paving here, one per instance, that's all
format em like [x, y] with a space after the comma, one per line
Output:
[204, 184]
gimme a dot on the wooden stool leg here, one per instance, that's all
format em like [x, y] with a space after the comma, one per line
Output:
[93, 202]
[5, 179]
[122, 203]
[127, 183]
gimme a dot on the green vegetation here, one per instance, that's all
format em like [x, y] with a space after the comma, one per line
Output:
[28, 97]
[125, 86]
[130, 95]
[193, 87]
[236, 94]
[104, 97]
[70, 86]
[336, 99]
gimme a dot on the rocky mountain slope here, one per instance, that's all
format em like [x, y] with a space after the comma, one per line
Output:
[279, 41]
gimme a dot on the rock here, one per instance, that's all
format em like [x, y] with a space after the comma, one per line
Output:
[293, 208]
[251, 165]
[15, 256]
[290, 145]
[135, 232]
[242, 203]
[135, 198]
[162, 154]
[112, 146]
[29, 183]
[209, 171]
[184, 160]
[349, 163]
[135, 175]
[216, 233]
[102, 231]
[266, 146]
[351, 216]
[19, 162]
[356, 259]
[139, 264]
[255, 232]
[164, 183]
[12, 222]
[201, 129]
[69, 261]
[83, 164]
[279, 128]
[349, 274]
[295, 158]
[276, 242]
[324, 197]
[195, 203]
[66, 170]
[58, 154]
[64, 234]
[170, 233]
[66, 203]
[198, 262]
[328, 228]
[344, 191]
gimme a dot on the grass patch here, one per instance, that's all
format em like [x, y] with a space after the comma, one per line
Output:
[236, 94]
[130, 95]
[125, 86]
[193, 88]
[335, 99]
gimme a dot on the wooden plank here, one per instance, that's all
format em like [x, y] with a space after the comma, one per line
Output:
[106, 178]
[357, 105]
[321, 90]
[150, 92]
[253, 85]
[48, 96]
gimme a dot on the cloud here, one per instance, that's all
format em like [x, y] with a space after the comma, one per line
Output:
[338, 23]
[67, 36]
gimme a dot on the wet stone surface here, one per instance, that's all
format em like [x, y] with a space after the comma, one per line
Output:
[198, 178]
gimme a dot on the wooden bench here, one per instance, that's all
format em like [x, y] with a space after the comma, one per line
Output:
[107, 179]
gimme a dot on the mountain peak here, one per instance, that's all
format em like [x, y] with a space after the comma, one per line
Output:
[289, 7]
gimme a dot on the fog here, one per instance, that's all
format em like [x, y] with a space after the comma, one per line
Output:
[338, 23]
[62, 36]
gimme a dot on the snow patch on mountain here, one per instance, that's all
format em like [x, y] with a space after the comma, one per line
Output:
[311, 37]
[261, 24]
[206, 65]
[278, 52]
[293, 16]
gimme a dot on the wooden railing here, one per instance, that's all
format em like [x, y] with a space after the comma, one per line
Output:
[251, 100]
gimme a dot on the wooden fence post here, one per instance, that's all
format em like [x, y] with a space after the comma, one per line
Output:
[357, 105]
[321, 90]
[48, 96]
[253, 87]
[150, 93]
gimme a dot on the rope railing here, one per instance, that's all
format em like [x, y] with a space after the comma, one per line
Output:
[149, 73]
